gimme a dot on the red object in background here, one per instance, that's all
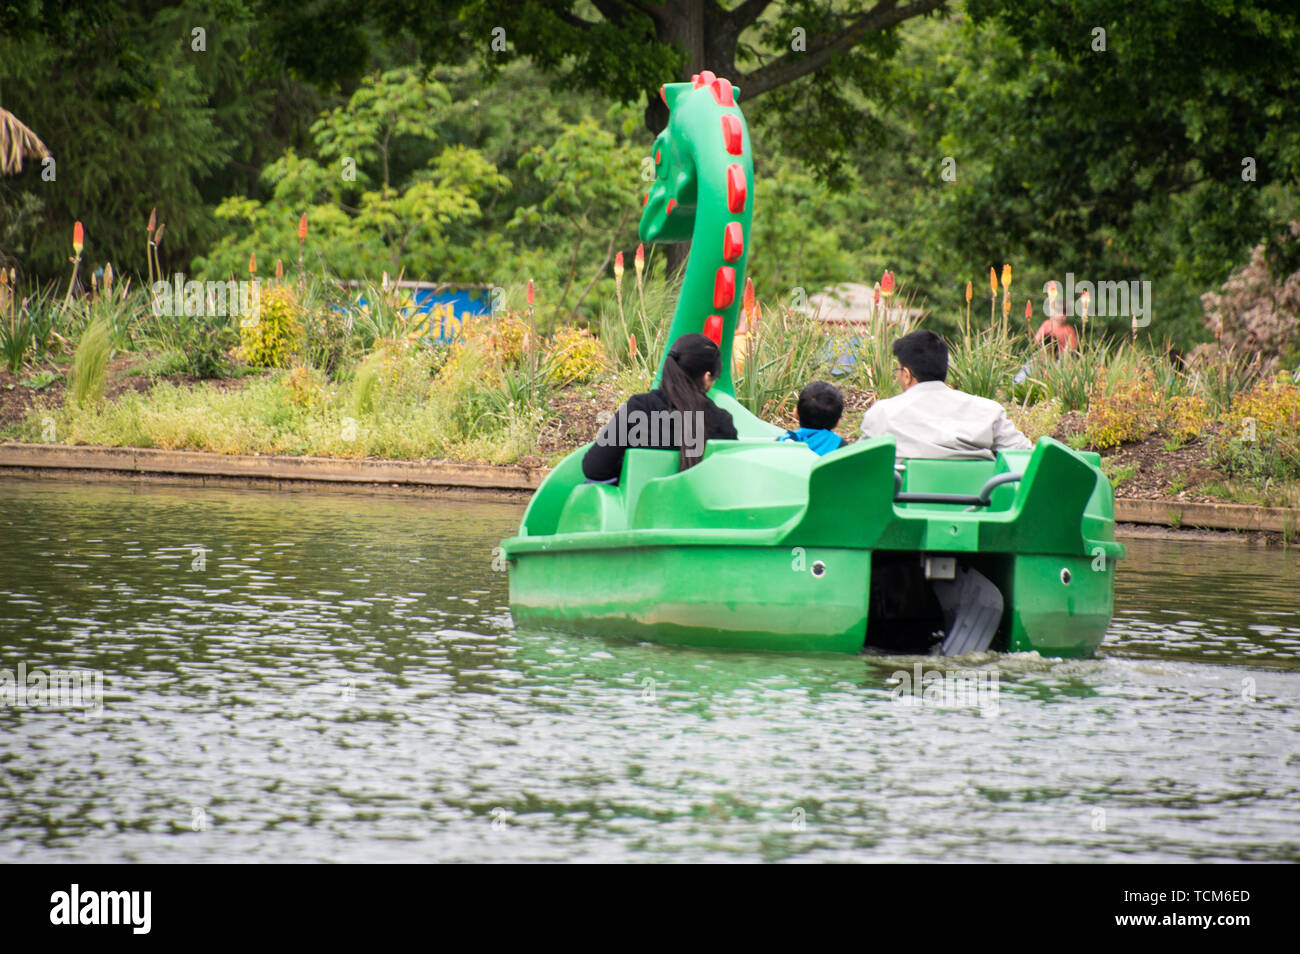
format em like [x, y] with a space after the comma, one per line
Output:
[875, 294]
[252, 263]
[302, 228]
[78, 237]
[530, 292]
[1029, 309]
[747, 299]
[1062, 332]
[887, 283]
[713, 329]
[733, 242]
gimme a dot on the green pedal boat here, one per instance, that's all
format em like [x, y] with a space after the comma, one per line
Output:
[765, 545]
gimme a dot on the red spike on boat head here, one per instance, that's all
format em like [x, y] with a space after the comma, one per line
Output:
[672, 204]
[721, 89]
[707, 77]
[731, 134]
[713, 329]
[724, 287]
[736, 188]
[733, 242]
[663, 94]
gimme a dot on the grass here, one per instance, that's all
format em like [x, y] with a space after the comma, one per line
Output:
[86, 379]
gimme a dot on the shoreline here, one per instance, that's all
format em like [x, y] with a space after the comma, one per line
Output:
[1135, 517]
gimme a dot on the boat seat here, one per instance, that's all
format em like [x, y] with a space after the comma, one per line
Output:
[926, 476]
[601, 507]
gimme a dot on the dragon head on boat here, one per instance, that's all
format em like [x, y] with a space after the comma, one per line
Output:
[702, 191]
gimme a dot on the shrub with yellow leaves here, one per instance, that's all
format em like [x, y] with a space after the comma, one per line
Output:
[576, 354]
[1185, 417]
[268, 339]
[1125, 414]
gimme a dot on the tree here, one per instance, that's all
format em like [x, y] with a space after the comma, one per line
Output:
[368, 213]
[627, 49]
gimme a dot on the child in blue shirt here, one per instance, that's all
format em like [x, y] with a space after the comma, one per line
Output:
[820, 407]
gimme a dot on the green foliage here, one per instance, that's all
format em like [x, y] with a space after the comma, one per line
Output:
[269, 339]
[985, 362]
[135, 119]
[366, 213]
[90, 364]
[15, 339]
[784, 353]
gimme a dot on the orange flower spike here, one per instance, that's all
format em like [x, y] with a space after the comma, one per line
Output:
[639, 261]
[153, 219]
[969, 291]
[302, 228]
[631, 346]
[887, 283]
[530, 293]
[78, 238]
[993, 282]
[747, 300]
[252, 263]
[279, 269]
[618, 267]
[1029, 310]
[1006, 276]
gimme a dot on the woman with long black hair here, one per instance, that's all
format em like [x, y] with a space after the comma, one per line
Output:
[678, 414]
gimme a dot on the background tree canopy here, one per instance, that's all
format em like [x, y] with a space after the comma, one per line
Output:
[497, 141]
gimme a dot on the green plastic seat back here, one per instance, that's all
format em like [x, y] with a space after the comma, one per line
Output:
[543, 513]
[926, 476]
[591, 508]
[745, 484]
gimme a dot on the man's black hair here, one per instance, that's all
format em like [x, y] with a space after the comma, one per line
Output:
[820, 405]
[924, 354]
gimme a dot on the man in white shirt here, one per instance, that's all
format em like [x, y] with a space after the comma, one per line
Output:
[930, 419]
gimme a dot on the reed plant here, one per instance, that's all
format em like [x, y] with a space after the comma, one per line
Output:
[786, 351]
[87, 378]
[984, 363]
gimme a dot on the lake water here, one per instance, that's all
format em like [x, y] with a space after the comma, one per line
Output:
[297, 677]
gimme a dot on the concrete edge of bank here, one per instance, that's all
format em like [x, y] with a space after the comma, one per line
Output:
[492, 481]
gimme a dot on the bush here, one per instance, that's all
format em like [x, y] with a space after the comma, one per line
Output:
[326, 335]
[1257, 307]
[1260, 436]
[305, 386]
[1124, 415]
[1037, 420]
[575, 355]
[1185, 417]
[268, 339]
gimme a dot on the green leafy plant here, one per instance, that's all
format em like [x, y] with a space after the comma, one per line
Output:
[268, 340]
[90, 364]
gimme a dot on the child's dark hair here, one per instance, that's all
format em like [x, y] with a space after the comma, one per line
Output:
[820, 406]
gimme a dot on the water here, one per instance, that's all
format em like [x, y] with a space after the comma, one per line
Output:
[295, 677]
